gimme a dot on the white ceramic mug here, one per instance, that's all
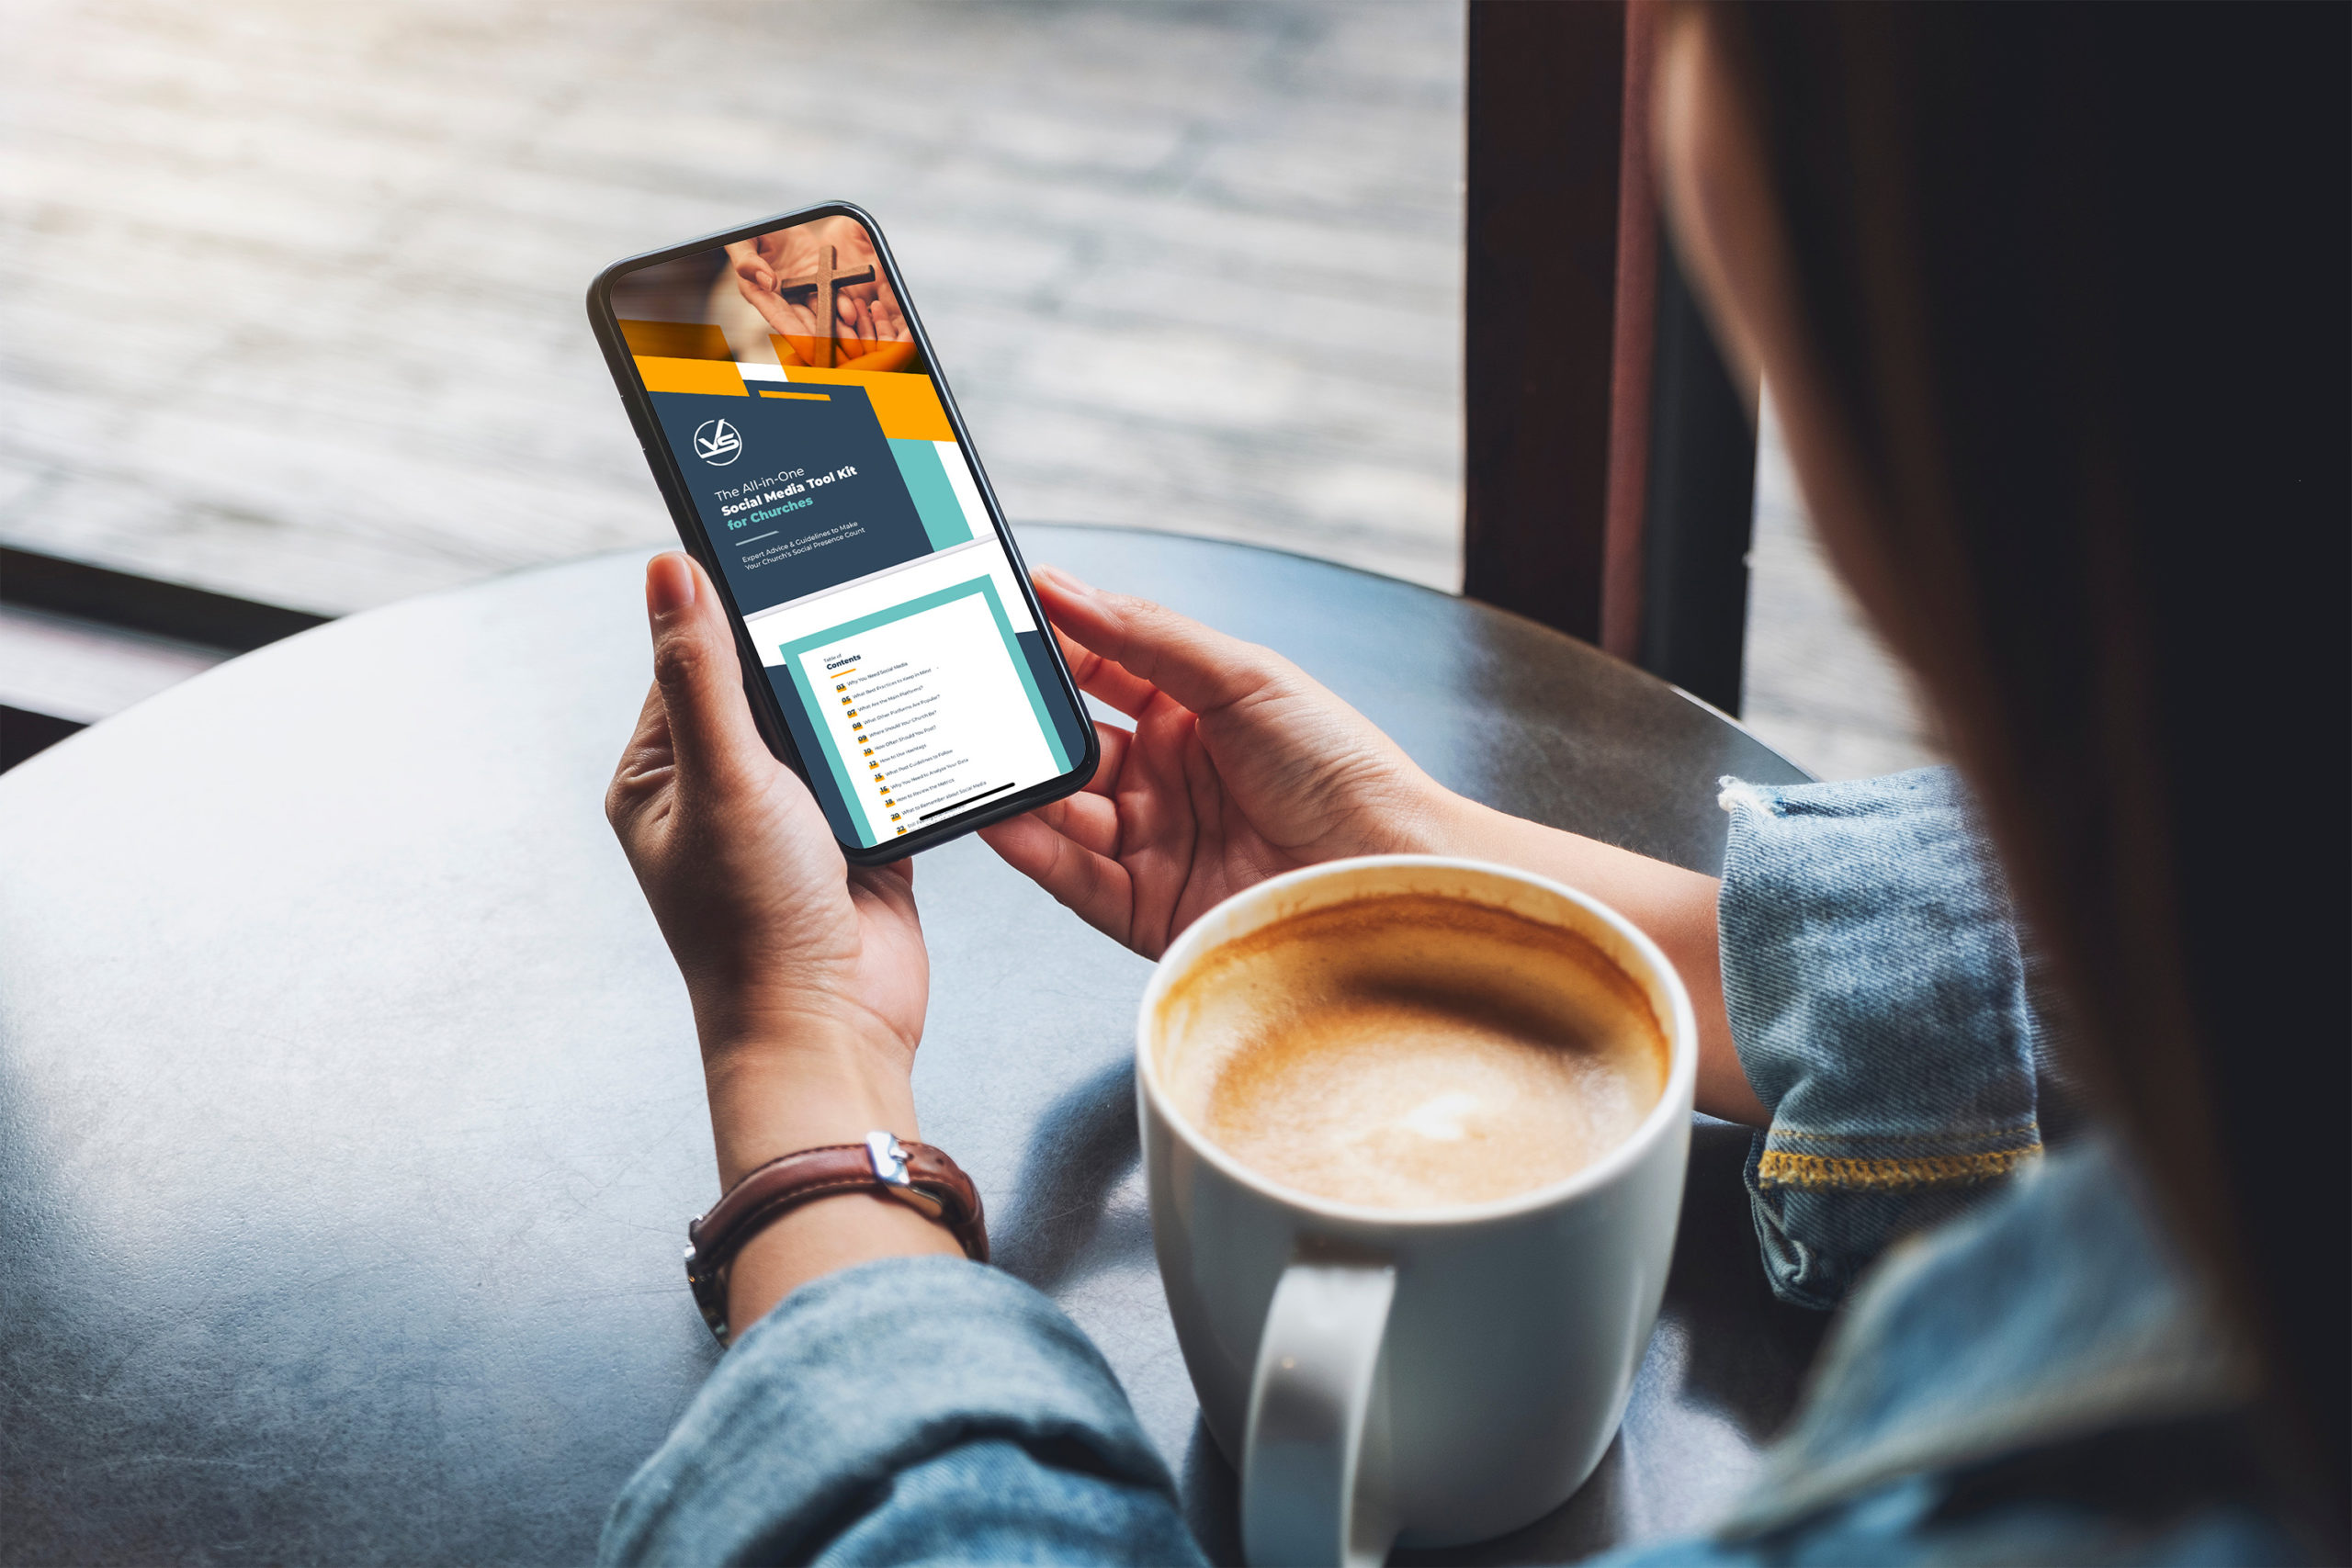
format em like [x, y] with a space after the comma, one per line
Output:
[1439, 1375]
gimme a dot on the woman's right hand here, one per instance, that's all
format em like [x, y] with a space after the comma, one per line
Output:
[1238, 768]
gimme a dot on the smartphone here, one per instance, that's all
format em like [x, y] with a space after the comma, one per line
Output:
[783, 390]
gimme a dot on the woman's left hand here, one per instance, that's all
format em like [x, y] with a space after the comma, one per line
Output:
[808, 977]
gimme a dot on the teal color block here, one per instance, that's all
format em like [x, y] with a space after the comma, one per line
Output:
[936, 502]
[810, 702]
[790, 653]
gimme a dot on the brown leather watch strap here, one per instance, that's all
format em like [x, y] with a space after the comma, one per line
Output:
[916, 1174]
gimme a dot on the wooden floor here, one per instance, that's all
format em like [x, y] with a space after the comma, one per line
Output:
[290, 293]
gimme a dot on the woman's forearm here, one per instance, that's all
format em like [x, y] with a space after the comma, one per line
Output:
[1676, 909]
[820, 1087]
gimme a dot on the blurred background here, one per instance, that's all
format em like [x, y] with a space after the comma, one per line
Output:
[290, 295]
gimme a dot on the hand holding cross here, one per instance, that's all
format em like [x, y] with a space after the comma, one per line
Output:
[827, 277]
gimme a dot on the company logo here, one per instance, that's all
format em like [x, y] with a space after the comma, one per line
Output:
[717, 444]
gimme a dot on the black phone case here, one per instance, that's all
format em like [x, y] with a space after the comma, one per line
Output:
[672, 482]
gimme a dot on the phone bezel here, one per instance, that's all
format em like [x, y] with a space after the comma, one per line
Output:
[672, 481]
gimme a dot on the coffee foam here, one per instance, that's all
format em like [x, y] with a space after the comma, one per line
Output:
[1411, 1051]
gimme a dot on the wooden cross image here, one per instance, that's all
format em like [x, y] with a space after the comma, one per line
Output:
[825, 280]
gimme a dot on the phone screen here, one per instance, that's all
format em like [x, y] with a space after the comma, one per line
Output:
[849, 524]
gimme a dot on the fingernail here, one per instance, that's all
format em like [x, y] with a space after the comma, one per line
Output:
[669, 584]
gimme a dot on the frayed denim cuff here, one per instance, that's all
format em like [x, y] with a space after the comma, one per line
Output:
[1877, 998]
[876, 1413]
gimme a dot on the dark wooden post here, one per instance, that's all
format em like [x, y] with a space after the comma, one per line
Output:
[1701, 512]
[1608, 465]
[1545, 101]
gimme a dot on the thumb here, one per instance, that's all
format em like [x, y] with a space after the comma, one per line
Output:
[695, 666]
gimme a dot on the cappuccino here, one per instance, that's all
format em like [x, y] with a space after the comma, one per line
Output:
[1411, 1051]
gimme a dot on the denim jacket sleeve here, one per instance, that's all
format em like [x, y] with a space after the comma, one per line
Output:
[1878, 998]
[911, 1410]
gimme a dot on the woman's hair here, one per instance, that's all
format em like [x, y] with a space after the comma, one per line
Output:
[2075, 283]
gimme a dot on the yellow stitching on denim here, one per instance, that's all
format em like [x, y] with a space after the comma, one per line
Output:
[1780, 1169]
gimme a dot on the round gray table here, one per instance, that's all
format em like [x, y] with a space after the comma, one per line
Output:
[350, 1113]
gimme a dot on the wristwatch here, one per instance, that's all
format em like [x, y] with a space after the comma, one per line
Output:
[915, 1174]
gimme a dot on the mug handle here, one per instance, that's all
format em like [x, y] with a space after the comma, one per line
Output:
[1315, 1482]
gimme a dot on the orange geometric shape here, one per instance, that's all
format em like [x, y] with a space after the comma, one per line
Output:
[906, 406]
[856, 354]
[666, 375]
[676, 340]
[879, 357]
